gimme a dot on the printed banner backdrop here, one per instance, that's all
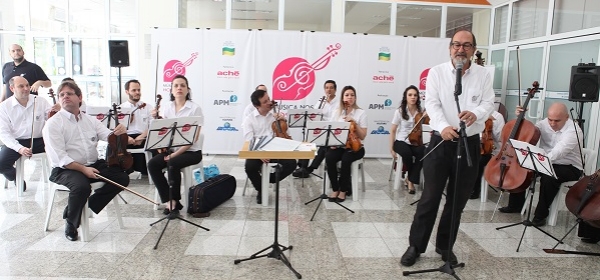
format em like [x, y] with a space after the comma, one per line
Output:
[224, 66]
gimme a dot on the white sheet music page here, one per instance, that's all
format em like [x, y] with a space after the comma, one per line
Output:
[539, 161]
[280, 144]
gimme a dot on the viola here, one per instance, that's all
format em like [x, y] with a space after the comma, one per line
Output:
[322, 102]
[279, 127]
[141, 106]
[487, 137]
[53, 97]
[503, 170]
[117, 154]
[415, 136]
[353, 143]
[583, 199]
[157, 107]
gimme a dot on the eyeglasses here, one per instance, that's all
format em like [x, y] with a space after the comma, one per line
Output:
[67, 93]
[457, 45]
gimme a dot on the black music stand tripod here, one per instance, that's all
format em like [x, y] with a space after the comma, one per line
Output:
[337, 143]
[159, 135]
[300, 119]
[276, 248]
[538, 162]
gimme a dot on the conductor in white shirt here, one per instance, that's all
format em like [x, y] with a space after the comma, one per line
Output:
[71, 139]
[259, 124]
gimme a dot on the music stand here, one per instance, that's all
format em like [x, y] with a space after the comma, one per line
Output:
[534, 159]
[104, 115]
[171, 133]
[299, 118]
[327, 134]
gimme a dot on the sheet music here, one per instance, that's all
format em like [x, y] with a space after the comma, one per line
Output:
[538, 161]
[317, 133]
[279, 144]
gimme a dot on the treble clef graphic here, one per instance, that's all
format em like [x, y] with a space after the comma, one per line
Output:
[294, 77]
[176, 67]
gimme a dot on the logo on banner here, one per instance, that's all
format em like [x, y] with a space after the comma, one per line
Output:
[226, 127]
[232, 99]
[383, 77]
[228, 49]
[228, 74]
[384, 54]
[294, 77]
[380, 130]
[175, 67]
[387, 105]
[423, 79]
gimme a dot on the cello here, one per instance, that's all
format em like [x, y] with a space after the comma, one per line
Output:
[583, 199]
[503, 170]
[117, 154]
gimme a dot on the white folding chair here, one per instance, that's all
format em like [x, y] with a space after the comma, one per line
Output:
[267, 168]
[354, 168]
[85, 227]
[20, 166]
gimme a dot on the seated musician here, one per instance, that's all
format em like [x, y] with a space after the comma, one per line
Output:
[560, 142]
[348, 111]
[497, 124]
[411, 153]
[250, 107]
[259, 123]
[327, 106]
[138, 124]
[181, 105]
[71, 139]
[16, 118]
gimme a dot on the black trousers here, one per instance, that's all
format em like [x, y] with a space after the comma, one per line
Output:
[587, 231]
[482, 163]
[253, 168]
[156, 165]
[8, 156]
[80, 190]
[549, 187]
[139, 160]
[303, 163]
[347, 157]
[439, 168]
[411, 158]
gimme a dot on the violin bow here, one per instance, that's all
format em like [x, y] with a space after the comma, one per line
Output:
[32, 122]
[127, 189]
[155, 75]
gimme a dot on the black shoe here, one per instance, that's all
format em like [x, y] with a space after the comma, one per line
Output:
[71, 232]
[444, 253]
[410, 256]
[166, 211]
[509, 209]
[259, 198]
[476, 196]
[538, 222]
[589, 240]
[332, 199]
[411, 191]
[301, 173]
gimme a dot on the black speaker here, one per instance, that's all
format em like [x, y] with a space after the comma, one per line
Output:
[119, 53]
[584, 83]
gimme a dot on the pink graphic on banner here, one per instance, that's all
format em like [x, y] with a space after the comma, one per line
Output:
[175, 67]
[423, 79]
[294, 77]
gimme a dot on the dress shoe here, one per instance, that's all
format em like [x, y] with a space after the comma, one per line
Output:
[589, 240]
[538, 222]
[178, 206]
[509, 209]
[412, 191]
[339, 199]
[444, 253]
[301, 173]
[71, 232]
[259, 198]
[476, 196]
[410, 256]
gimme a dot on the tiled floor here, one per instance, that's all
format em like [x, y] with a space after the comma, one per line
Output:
[336, 245]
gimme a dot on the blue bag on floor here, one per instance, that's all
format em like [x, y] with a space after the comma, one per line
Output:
[209, 172]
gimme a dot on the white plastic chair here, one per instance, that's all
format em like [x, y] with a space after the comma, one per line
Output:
[20, 166]
[354, 168]
[85, 227]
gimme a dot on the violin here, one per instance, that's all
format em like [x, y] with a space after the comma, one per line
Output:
[157, 107]
[117, 154]
[53, 97]
[353, 143]
[503, 170]
[583, 199]
[279, 127]
[487, 137]
[141, 106]
[415, 136]
[322, 102]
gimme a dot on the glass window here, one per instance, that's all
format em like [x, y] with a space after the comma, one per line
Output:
[562, 57]
[49, 16]
[8, 39]
[201, 14]
[14, 15]
[121, 19]
[308, 15]
[371, 18]
[50, 55]
[255, 15]
[575, 14]
[497, 59]
[88, 56]
[474, 20]
[418, 20]
[500, 23]
[529, 19]
[86, 16]
[93, 91]
[531, 68]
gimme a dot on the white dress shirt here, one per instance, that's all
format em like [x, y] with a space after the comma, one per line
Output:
[404, 126]
[189, 109]
[561, 146]
[16, 120]
[69, 138]
[477, 97]
[359, 116]
[249, 110]
[328, 107]
[255, 125]
[142, 118]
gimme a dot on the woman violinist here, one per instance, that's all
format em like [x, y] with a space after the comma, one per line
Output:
[348, 111]
[497, 122]
[181, 105]
[406, 118]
